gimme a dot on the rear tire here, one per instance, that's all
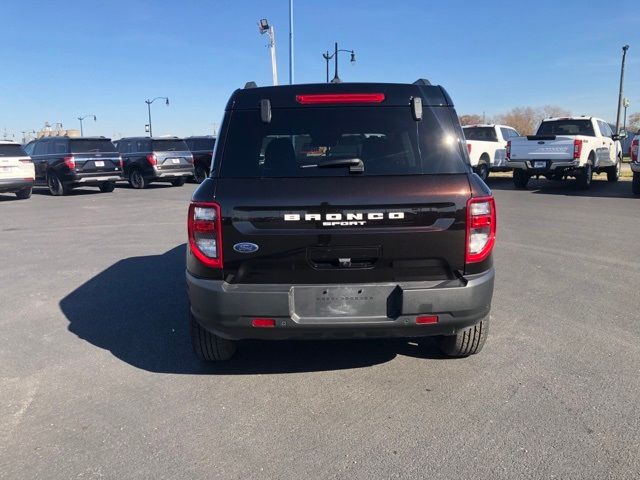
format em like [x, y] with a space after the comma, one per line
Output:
[585, 177]
[210, 347]
[466, 342]
[613, 173]
[200, 174]
[107, 187]
[56, 187]
[483, 171]
[635, 183]
[137, 180]
[178, 182]
[520, 178]
[24, 194]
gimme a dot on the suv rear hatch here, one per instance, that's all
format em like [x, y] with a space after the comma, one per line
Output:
[348, 193]
[14, 162]
[94, 156]
[172, 154]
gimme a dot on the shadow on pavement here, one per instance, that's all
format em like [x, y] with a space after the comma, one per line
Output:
[137, 308]
[600, 187]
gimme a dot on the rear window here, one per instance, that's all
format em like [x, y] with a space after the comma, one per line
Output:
[12, 151]
[486, 134]
[201, 144]
[170, 146]
[86, 146]
[303, 142]
[567, 127]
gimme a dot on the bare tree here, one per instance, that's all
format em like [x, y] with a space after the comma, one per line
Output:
[633, 123]
[470, 119]
[526, 119]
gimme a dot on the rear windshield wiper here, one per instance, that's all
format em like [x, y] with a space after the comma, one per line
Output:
[355, 164]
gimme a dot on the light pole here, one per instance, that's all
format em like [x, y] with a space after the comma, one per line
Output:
[290, 42]
[81, 119]
[149, 102]
[24, 135]
[624, 56]
[264, 27]
[327, 57]
[625, 103]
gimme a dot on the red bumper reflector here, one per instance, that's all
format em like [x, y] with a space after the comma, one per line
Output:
[263, 323]
[327, 98]
[426, 319]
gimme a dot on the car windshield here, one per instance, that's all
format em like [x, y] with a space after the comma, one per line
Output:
[487, 134]
[89, 145]
[321, 142]
[12, 151]
[170, 145]
[567, 127]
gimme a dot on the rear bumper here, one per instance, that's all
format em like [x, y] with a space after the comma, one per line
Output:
[95, 178]
[228, 309]
[14, 185]
[172, 174]
[550, 165]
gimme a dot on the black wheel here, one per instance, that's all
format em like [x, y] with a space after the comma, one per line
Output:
[136, 179]
[24, 194]
[56, 187]
[207, 346]
[585, 176]
[466, 342]
[635, 183]
[613, 173]
[178, 182]
[200, 174]
[520, 178]
[483, 171]
[107, 187]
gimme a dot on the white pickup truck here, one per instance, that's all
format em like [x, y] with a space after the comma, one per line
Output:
[635, 163]
[566, 147]
[487, 146]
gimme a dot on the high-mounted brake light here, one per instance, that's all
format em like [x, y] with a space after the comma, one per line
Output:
[152, 159]
[204, 225]
[328, 98]
[70, 162]
[633, 150]
[509, 149]
[481, 228]
[577, 148]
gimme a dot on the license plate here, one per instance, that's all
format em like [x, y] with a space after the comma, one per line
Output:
[342, 302]
[539, 164]
[175, 160]
[99, 163]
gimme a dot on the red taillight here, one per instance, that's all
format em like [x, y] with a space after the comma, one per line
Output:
[340, 98]
[70, 162]
[634, 150]
[205, 233]
[577, 148]
[263, 323]
[427, 319]
[190, 159]
[481, 228]
[152, 159]
[469, 148]
[509, 149]
[120, 162]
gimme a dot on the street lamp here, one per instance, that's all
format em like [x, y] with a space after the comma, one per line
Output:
[264, 27]
[24, 135]
[81, 119]
[624, 56]
[328, 57]
[149, 102]
[625, 103]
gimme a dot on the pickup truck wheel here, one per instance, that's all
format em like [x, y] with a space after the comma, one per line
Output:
[136, 179]
[613, 173]
[207, 346]
[107, 187]
[24, 194]
[466, 342]
[483, 171]
[56, 187]
[200, 174]
[520, 178]
[585, 176]
[178, 182]
[635, 183]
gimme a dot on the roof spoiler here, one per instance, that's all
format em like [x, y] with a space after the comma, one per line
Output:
[422, 81]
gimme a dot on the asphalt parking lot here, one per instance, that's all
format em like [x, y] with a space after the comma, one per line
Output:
[97, 377]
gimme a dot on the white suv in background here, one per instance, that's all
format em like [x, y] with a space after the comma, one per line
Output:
[16, 170]
[487, 145]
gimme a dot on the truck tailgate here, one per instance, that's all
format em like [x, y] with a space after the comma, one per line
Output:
[542, 148]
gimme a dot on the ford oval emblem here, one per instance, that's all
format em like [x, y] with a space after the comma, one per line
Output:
[245, 247]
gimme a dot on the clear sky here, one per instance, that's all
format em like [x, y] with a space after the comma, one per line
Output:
[64, 59]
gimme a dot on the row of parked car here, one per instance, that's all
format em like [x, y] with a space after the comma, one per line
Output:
[563, 147]
[62, 163]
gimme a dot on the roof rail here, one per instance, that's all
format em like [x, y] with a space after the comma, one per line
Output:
[251, 85]
[422, 81]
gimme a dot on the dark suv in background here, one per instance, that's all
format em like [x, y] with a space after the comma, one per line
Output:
[202, 149]
[157, 159]
[63, 163]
